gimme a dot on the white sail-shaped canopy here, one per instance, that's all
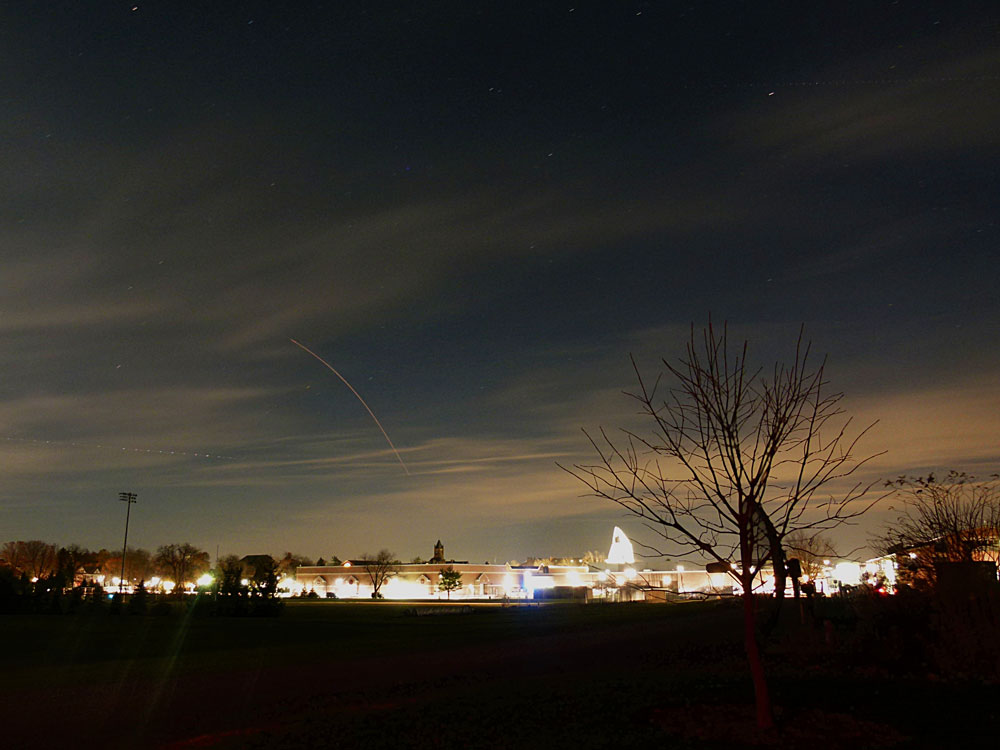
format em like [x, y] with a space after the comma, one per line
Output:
[621, 549]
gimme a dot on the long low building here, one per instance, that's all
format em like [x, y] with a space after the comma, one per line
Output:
[354, 579]
[617, 578]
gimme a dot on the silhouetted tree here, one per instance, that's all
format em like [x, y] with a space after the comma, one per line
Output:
[72, 558]
[380, 568]
[34, 558]
[104, 558]
[139, 565]
[181, 563]
[10, 557]
[950, 520]
[810, 549]
[288, 564]
[593, 557]
[229, 576]
[733, 463]
[137, 602]
[264, 580]
[450, 580]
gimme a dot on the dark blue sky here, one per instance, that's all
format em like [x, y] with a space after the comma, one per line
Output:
[475, 211]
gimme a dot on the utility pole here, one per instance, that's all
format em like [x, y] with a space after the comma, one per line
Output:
[128, 498]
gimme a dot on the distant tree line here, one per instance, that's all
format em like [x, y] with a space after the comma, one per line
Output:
[39, 576]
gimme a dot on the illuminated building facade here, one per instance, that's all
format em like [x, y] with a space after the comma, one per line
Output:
[351, 580]
[617, 579]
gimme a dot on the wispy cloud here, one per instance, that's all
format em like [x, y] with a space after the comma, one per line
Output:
[871, 109]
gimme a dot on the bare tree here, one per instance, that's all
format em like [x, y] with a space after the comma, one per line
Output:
[138, 564]
[10, 556]
[952, 520]
[379, 568]
[181, 562]
[811, 549]
[34, 558]
[593, 557]
[734, 461]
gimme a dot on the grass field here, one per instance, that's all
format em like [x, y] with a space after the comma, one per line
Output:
[337, 674]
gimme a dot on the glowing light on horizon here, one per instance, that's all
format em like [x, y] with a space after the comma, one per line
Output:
[889, 571]
[395, 588]
[848, 573]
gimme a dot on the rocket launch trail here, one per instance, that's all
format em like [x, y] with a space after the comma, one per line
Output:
[332, 369]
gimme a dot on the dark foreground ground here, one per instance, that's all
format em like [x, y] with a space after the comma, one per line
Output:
[347, 675]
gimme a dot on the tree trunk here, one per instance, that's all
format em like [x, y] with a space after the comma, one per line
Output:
[780, 577]
[762, 697]
[780, 572]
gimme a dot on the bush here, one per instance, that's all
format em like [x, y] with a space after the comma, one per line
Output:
[925, 631]
[9, 594]
[137, 602]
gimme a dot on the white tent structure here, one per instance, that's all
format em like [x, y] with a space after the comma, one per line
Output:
[621, 549]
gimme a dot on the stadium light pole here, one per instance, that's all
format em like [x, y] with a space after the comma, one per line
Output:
[128, 498]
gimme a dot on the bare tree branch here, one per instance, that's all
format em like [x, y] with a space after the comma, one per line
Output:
[380, 568]
[951, 520]
[733, 462]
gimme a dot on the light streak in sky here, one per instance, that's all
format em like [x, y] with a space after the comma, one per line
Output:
[841, 82]
[772, 87]
[78, 444]
[344, 380]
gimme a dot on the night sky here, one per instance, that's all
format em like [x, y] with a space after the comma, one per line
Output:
[475, 211]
